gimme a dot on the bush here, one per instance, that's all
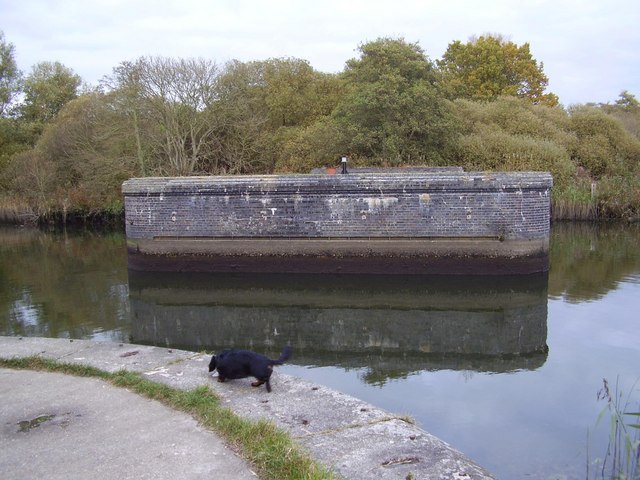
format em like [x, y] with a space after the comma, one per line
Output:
[619, 197]
[304, 148]
[517, 117]
[604, 147]
[513, 134]
[504, 151]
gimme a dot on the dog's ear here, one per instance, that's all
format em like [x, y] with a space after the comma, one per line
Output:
[212, 364]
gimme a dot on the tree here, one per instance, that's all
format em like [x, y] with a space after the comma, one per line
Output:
[80, 161]
[242, 143]
[173, 98]
[295, 94]
[10, 76]
[626, 109]
[14, 137]
[393, 111]
[265, 104]
[48, 87]
[627, 101]
[489, 66]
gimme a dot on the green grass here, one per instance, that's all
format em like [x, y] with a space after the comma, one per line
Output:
[272, 452]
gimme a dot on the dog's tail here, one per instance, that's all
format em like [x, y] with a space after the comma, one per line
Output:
[286, 353]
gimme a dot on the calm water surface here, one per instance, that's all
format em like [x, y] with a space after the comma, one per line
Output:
[506, 369]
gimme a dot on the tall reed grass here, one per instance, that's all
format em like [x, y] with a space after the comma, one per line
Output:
[609, 198]
[575, 202]
[13, 211]
[622, 458]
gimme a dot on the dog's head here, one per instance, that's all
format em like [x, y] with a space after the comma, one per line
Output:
[213, 363]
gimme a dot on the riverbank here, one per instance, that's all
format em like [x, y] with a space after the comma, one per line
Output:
[353, 438]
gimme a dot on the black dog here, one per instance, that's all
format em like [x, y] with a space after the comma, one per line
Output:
[232, 364]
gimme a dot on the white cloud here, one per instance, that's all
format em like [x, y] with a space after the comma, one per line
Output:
[590, 49]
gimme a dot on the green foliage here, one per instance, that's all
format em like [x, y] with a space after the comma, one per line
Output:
[489, 66]
[619, 197]
[241, 145]
[10, 76]
[267, 104]
[15, 137]
[593, 159]
[392, 111]
[303, 148]
[626, 110]
[513, 134]
[604, 147]
[574, 201]
[159, 116]
[80, 161]
[504, 151]
[48, 87]
[517, 117]
[627, 101]
[295, 94]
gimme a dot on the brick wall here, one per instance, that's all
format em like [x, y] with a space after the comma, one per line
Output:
[507, 206]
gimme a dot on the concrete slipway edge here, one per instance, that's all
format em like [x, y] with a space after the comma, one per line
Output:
[354, 439]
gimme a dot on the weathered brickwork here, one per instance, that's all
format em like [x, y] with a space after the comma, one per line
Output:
[504, 206]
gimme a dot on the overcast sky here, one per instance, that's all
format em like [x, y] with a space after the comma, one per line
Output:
[590, 49]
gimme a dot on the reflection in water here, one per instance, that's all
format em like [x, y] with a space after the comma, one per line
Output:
[75, 285]
[589, 260]
[439, 333]
[63, 285]
[393, 325]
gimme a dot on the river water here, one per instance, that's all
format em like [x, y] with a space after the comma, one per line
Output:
[506, 369]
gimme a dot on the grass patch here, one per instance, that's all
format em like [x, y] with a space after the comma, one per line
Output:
[272, 452]
[47, 365]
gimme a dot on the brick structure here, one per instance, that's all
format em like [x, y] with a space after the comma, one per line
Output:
[413, 222]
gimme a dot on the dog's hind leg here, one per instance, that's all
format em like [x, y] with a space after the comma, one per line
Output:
[260, 382]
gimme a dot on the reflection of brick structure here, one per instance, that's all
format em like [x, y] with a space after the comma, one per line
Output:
[418, 214]
[389, 323]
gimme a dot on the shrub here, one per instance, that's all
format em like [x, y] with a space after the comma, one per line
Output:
[604, 147]
[504, 151]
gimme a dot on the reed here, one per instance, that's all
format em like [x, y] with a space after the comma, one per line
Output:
[564, 209]
[622, 458]
[576, 202]
[14, 211]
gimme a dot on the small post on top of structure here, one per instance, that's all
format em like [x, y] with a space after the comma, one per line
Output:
[344, 164]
